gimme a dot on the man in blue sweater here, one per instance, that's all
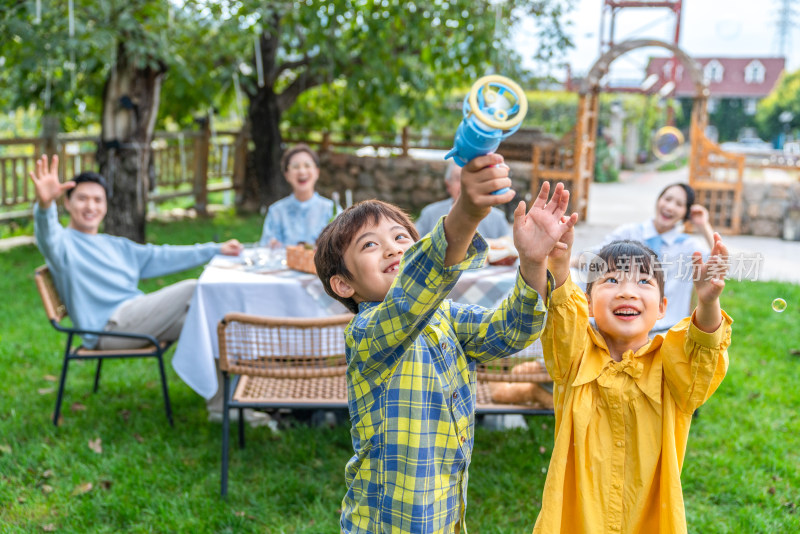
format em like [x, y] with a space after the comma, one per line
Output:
[97, 275]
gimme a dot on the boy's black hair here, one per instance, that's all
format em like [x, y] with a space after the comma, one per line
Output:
[624, 254]
[690, 196]
[89, 176]
[337, 236]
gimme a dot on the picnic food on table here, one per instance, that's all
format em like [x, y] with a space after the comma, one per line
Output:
[502, 251]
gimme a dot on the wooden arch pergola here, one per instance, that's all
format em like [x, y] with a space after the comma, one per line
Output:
[715, 175]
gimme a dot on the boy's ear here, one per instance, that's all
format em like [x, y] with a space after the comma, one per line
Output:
[341, 287]
[662, 308]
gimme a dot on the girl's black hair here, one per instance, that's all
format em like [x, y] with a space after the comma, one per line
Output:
[622, 255]
[690, 196]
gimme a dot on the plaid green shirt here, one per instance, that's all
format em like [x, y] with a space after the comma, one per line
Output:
[411, 390]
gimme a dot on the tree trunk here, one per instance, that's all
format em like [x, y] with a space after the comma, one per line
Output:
[130, 106]
[268, 184]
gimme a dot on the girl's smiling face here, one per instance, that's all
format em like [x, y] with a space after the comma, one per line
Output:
[625, 304]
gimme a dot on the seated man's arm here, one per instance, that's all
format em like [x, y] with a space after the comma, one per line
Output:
[160, 260]
[49, 234]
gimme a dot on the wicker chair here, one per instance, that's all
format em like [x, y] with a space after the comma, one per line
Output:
[57, 312]
[515, 369]
[279, 363]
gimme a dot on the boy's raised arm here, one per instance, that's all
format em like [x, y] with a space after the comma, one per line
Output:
[544, 233]
[480, 177]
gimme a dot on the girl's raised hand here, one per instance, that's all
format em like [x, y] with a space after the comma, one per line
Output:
[709, 277]
[540, 231]
[46, 183]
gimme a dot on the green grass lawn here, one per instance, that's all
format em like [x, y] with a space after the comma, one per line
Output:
[741, 475]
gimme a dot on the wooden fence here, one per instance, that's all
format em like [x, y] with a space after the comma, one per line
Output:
[195, 163]
[189, 163]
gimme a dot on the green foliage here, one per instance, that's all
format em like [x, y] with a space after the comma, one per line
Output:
[741, 473]
[785, 97]
[359, 66]
[364, 66]
[18, 123]
[730, 118]
[554, 112]
[675, 164]
[64, 75]
[605, 166]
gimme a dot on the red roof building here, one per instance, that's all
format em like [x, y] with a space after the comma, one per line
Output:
[728, 77]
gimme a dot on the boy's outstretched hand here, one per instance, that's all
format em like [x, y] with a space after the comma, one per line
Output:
[540, 231]
[479, 179]
[709, 281]
[46, 183]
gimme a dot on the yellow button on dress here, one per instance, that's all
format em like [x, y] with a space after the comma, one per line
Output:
[622, 427]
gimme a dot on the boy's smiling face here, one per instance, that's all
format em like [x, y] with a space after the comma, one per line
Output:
[625, 306]
[373, 258]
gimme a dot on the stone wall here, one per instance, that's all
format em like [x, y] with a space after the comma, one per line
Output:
[414, 183]
[768, 207]
[407, 182]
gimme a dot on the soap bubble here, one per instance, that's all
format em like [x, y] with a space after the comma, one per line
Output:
[667, 143]
[779, 305]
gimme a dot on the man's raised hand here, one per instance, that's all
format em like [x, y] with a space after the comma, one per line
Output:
[46, 183]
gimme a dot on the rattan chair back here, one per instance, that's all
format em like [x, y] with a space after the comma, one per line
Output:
[516, 368]
[53, 306]
[283, 347]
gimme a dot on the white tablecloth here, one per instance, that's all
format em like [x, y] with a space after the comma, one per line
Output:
[224, 287]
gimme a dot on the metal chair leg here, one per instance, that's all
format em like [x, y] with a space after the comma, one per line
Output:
[97, 374]
[241, 428]
[61, 384]
[164, 390]
[225, 430]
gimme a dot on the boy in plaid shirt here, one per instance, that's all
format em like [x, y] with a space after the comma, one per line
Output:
[412, 354]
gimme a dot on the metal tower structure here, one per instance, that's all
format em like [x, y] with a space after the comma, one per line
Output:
[787, 21]
[611, 9]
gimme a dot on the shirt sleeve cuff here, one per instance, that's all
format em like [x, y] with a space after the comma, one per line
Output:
[562, 294]
[710, 339]
[530, 296]
[476, 253]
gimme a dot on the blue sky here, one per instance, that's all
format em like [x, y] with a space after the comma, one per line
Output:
[708, 28]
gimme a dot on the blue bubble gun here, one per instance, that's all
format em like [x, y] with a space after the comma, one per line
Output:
[493, 110]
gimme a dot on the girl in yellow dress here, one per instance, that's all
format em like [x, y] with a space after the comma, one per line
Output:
[623, 401]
